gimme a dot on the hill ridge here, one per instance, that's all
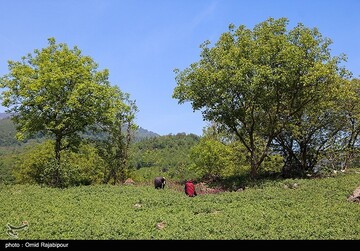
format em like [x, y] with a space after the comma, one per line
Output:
[8, 131]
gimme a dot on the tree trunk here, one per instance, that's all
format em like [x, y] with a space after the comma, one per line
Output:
[304, 157]
[254, 165]
[254, 170]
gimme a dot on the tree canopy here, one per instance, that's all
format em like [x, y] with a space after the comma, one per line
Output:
[255, 83]
[62, 93]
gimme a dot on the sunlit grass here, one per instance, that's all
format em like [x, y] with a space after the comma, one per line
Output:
[314, 209]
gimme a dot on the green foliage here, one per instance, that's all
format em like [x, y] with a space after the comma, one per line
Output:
[84, 166]
[221, 157]
[37, 164]
[314, 209]
[6, 176]
[257, 83]
[31, 164]
[56, 90]
[326, 136]
[7, 133]
[8, 158]
[59, 92]
[212, 158]
[114, 148]
[273, 164]
[164, 155]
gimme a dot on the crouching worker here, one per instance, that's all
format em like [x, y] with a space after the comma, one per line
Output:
[159, 182]
[190, 189]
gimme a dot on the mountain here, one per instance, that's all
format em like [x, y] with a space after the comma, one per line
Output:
[8, 131]
[143, 133]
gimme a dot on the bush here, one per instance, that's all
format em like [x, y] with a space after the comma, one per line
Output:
[37, 166]
[211, 157]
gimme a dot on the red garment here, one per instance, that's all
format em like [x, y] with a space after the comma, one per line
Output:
[190, 189]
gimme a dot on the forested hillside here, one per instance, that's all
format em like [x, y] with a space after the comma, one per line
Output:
[165, 155]
[7, 133]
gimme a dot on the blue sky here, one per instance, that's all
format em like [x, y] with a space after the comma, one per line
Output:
[141, 42]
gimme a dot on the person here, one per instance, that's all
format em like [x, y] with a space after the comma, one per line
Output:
[190, 189]
[159, 182]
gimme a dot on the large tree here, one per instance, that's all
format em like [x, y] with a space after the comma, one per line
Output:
[59, 92]
[255, 82]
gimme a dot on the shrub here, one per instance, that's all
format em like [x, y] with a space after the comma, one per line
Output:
[37, 165]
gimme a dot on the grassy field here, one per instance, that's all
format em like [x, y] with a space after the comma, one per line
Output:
[312, 209]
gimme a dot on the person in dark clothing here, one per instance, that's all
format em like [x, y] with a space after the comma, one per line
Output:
[159, 182]
[190, 189]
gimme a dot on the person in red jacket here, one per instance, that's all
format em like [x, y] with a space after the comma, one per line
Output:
[190, 189]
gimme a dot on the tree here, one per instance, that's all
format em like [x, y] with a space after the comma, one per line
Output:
[114, 148]
[59, 92]
[253, 83]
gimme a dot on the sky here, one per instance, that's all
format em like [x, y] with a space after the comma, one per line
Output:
[141, 42]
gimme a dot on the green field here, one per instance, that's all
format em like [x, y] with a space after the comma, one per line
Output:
[315, 209]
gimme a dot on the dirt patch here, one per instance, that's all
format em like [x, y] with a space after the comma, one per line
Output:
[355, 197]
[203, 188]
[129, 182]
